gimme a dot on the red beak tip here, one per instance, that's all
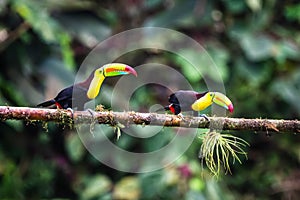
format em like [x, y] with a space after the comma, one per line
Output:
[230, 108]
[131, 70]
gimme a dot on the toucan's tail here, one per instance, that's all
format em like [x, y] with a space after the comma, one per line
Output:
[47, 103]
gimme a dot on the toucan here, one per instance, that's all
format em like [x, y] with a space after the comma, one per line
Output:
[188, 100]
[75, 96]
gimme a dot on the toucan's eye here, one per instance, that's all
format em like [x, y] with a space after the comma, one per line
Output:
[100, 71]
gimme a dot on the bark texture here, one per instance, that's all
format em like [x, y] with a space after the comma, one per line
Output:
[153, 119]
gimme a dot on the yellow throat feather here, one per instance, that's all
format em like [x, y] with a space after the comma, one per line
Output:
[203, 102]
[95, 85]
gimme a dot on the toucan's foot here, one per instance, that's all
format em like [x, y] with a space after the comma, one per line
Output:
[72, 111]
[92, 112]
[180, 115]
[92, 125]
[204, 116]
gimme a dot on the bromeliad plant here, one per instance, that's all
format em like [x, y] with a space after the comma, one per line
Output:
[218, 150]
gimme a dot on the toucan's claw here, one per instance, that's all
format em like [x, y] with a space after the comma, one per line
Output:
[92, 125]
[180, 115]
[92, 112]
[204, 116]
[72, 111]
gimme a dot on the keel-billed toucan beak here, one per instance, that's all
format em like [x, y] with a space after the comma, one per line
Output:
[221, 100]
[116, 69]
[108, 70]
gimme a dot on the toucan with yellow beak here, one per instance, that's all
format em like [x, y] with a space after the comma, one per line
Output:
[80, 93]
[188, 100]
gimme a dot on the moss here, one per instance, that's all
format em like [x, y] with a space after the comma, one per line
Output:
[45, 126]
[65, 119]
[31, 122]
[100, 108]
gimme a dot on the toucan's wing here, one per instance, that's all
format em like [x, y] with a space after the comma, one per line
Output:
[64, 97]
[74, 96]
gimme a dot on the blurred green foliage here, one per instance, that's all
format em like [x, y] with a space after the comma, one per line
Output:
[254, 43]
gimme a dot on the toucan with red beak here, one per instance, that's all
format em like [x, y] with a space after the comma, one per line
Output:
[80, 93]
[188, 100]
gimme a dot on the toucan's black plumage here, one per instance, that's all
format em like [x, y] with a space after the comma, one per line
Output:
[182, 100]
[75, 93]
[65, 98]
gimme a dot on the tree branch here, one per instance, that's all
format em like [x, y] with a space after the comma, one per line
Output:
[154, 119]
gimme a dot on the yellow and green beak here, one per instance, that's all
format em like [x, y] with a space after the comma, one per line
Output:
[108, 70]
[221, 100]
[117, 69]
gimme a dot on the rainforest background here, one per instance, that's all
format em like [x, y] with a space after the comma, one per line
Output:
[255, 45]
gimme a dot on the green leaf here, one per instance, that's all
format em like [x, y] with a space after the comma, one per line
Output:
[37, 15]
[95, 187]
[286, 50]
[11, 186]
[235, 6]
[74, 147]
[85, 27]
[213, 190]
[193, 195]
[156, 142]
[187, 68]
[152, 184]
[257, 47]
[8, 89]
[16, 125]
[152, 3]
[289, 89]
[254, 73]
[196, 65]
[127, 188]
[66, 50]
[292, 12]
[263, 47]
[254, 5]
[221, 57]
[196, 184]
[174, 16]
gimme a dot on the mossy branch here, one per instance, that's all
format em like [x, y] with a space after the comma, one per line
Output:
[154, 119]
